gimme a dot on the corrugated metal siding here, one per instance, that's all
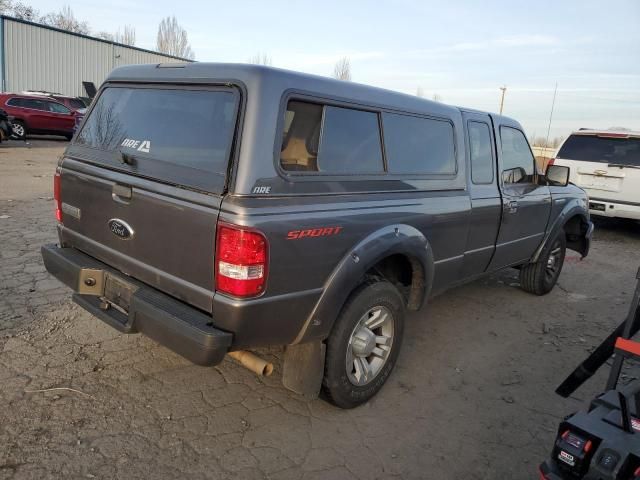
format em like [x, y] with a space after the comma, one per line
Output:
[37, 58]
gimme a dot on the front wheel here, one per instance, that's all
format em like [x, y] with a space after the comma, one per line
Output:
[540, 277]
[19, 130]
[364, 344]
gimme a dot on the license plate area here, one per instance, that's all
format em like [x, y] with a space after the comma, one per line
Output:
[118, 292]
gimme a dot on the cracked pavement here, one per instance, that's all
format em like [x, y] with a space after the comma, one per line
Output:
[471, 397]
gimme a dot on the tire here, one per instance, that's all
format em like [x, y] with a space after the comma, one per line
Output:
[540, 277]
[374, 311]
[68, 137]
[19, 130]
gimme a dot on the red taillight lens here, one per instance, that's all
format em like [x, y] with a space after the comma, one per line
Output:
[56, 196]
[551, 161]
[241, 261]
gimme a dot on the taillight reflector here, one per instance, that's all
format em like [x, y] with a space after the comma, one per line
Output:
[241, 261]
[56, 196]
[551, 161]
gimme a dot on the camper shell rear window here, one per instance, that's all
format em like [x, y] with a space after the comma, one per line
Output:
[177, 135]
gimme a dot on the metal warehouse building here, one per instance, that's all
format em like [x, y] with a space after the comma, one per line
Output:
[39, 57]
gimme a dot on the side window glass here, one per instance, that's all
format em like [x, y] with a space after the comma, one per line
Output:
[418, 145]
[57, 108]
[15, 102]
[301, 136]
[517, 160]
[35, 104]
[350, 140]
[482, 166]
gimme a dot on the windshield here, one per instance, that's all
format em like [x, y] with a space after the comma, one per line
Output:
[590, 148]
[181, 136]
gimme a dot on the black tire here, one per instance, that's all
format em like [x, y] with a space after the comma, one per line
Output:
[540, 277]
[336, 385]
[68, 137]
[19, 130]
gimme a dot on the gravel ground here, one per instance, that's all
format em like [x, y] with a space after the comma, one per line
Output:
[471, 397]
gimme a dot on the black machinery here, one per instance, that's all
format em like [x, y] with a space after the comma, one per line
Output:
[602, 442]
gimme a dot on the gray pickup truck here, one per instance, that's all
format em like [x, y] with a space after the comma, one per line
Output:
[220, 207]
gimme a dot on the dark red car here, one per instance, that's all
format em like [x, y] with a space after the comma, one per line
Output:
[38, 114]
[73, 103]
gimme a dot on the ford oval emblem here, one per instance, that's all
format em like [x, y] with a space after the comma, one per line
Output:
[120, 228]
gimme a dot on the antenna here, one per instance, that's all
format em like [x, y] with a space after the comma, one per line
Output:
[553, 102]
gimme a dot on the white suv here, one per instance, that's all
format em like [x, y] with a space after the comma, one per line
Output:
[605, 163]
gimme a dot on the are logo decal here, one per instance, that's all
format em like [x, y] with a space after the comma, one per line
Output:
[139, 145]
[313, 232]
[261, 190]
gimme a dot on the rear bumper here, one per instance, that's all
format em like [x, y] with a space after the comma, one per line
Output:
[607, 208]
[174, 324]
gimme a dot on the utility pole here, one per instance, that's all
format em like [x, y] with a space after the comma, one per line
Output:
[504, 90]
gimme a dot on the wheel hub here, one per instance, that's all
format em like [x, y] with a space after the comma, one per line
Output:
[364, 341]
[369, 345]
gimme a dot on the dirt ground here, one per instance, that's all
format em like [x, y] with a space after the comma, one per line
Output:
[471, 397]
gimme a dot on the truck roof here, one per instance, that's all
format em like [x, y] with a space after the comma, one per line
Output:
[276, 81]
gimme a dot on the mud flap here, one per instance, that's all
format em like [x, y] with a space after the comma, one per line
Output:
[303, 368]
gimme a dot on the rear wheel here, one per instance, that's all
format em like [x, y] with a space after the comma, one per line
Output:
[19, 130]
[364, 344]
[540, 277]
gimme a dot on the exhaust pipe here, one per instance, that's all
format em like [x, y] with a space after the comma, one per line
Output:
[252, 362]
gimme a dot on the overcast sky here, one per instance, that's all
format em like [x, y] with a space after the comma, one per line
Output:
[463, 50]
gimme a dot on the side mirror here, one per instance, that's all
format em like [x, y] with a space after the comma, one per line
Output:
[514, 175]
[557, 175]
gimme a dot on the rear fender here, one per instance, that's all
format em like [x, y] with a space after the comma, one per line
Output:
[350, 272]
[574, 208]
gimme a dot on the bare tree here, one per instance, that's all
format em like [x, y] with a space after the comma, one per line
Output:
[437, 97]
[127, 36]
[261, 59]
[106, 36]
[66, 20]
[342, 69]
[172, 39]
[420, 92]
[19, 10]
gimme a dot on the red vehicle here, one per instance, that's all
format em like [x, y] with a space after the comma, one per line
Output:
[74, 103]
[38, 114]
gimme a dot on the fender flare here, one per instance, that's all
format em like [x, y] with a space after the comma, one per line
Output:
[573, 208]
[350, 272]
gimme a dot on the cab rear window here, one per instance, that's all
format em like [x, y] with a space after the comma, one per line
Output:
[180, 136]
[602, 149]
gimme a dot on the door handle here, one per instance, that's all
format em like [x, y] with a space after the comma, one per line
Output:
[121, 193]
[511, 206]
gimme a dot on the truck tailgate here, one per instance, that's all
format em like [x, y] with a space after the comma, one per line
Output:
[171, 242]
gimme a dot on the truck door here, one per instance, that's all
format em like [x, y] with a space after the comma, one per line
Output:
[485, 216]
[526, 205]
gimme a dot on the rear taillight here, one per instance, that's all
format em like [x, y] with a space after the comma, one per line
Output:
[241, 261]
[551, 161]
[56, 196]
